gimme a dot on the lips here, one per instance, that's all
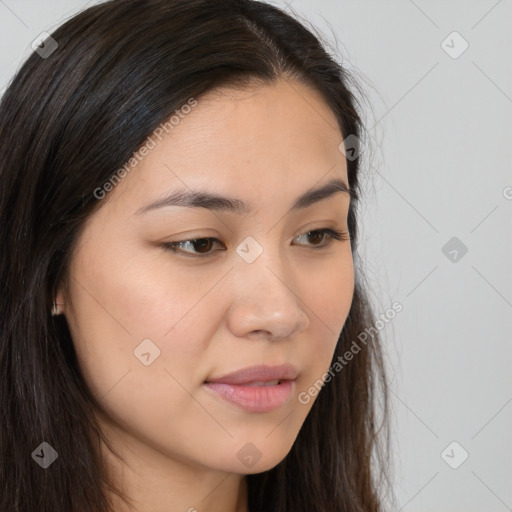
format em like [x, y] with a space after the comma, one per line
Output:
[256, 389]
[257, 375]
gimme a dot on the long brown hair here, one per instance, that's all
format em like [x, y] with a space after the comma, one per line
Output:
[68, 121]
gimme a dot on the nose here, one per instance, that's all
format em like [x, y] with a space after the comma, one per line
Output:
[265, 301]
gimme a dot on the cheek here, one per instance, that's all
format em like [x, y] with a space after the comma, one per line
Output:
[131, 312]
[140, 339]
[327, 302]
[328, 296]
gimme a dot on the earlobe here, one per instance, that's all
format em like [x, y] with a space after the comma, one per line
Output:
[58, 305]
[55, 309]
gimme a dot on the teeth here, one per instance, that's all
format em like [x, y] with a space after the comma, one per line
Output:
[270, 383]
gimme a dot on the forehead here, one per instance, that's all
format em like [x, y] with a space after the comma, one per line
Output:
[272, 140]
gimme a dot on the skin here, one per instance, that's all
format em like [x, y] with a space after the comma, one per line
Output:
[265, 145]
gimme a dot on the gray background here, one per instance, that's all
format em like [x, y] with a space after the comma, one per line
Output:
[437, 166]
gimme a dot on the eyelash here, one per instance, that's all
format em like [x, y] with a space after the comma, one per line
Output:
[333, 234]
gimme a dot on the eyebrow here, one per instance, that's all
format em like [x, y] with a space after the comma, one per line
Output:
[211, 201]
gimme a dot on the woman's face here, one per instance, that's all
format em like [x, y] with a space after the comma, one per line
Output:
[152, 326]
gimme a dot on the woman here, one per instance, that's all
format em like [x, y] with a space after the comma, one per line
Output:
[183, 305]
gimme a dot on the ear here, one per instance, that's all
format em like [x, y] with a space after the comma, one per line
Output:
[60, 301]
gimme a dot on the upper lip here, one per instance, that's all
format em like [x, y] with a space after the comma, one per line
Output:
[259, 373]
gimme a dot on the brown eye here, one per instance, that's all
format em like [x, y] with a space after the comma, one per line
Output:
[203, 246]
[319, 236]
[200, 246]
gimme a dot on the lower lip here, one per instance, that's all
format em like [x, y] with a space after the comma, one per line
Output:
[254, 398]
